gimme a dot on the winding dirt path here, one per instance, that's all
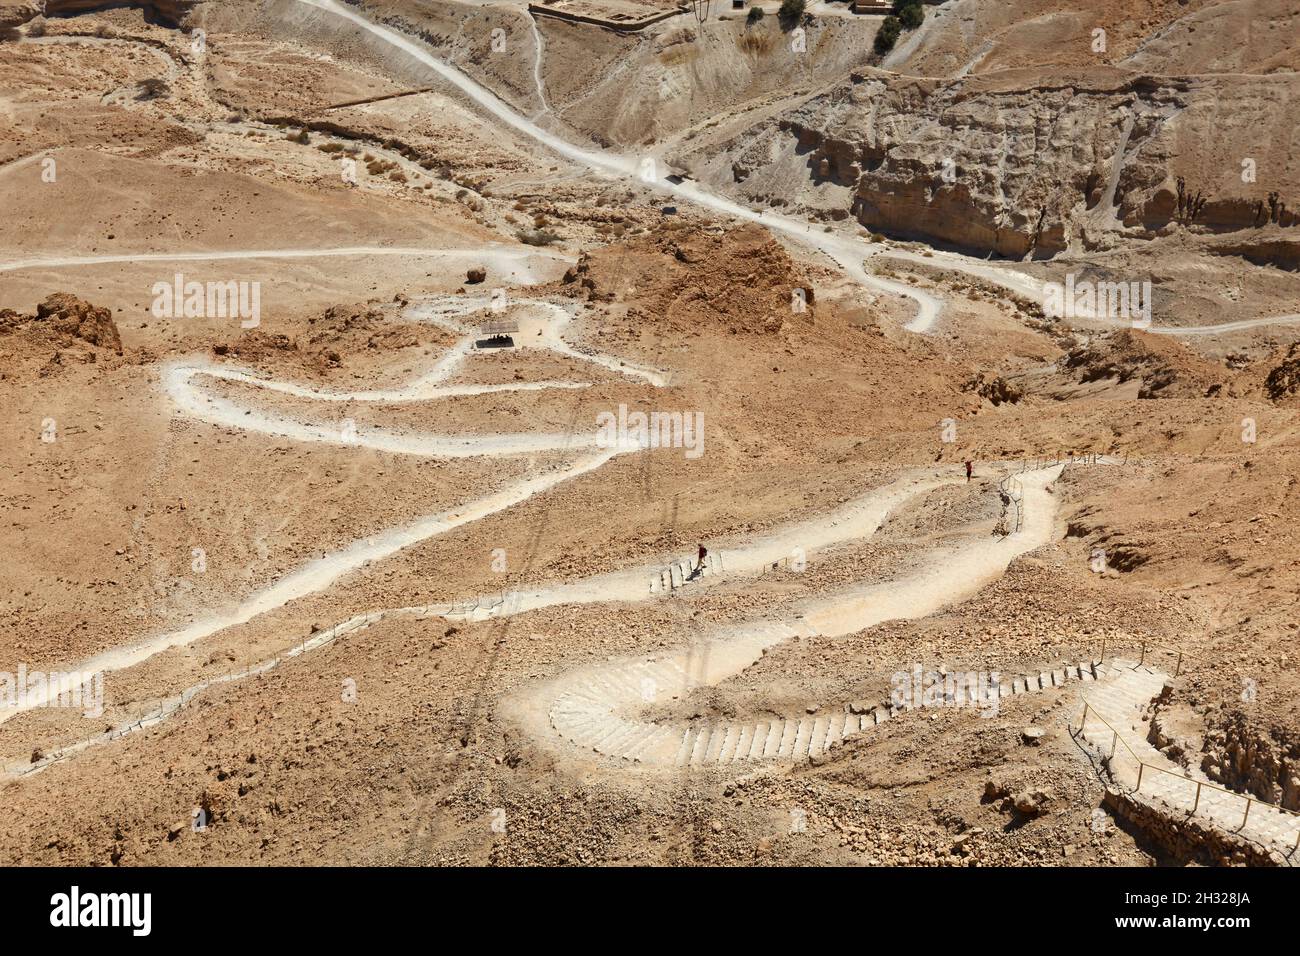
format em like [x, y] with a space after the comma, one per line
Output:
[596, 707]
[518, 266]
[319, 574]
[848, 253]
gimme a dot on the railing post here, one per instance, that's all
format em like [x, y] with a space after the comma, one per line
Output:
[1247, 816]
[1179, 667]
[1103, 651]
[1114, 743]
[1084, 719]
[1144, 654]
[1141, 767]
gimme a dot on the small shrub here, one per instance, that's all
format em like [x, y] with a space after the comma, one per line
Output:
[755, 14]
[911, 16]
[791, 13]
[152, 88]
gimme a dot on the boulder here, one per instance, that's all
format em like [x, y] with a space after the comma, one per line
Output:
[1032, 802]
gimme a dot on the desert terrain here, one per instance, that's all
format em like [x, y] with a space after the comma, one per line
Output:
[610, 432]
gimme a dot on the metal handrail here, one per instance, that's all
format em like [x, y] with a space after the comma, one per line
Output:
[1144, 644]
[1116, 739]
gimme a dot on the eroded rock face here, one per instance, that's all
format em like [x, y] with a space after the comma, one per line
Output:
[741, 280]
[1247, 757]
[1019, 164]
[1166, 368]
[994, 388]
[14, 13]
[1284, 379]
[80, 319]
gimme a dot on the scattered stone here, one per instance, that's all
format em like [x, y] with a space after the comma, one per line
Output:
[1032, 802]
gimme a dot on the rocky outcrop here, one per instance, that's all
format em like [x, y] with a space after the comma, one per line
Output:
[1245, 757]
[995, 388]
[14, 13]
[69, 315]
[687, 278]
[1263, 247]
[1166, 368]
[1023, 164]
[1283, 379]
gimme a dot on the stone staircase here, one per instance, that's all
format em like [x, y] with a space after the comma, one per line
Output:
[1115, 727]
[678, 574]
[589, 715]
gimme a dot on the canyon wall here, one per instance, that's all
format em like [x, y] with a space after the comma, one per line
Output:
[1023, 165]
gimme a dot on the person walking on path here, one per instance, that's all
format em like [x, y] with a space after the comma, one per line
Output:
[969, 466]
[699, 566]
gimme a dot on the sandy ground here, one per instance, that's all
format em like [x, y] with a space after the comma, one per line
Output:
[199, 505]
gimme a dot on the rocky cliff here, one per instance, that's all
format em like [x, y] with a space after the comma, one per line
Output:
[1021, 164]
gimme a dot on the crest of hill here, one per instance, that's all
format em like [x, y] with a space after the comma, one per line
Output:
[686, 278]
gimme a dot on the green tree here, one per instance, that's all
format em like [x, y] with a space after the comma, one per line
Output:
[887, 35]
[791, 12]
[911, 16]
